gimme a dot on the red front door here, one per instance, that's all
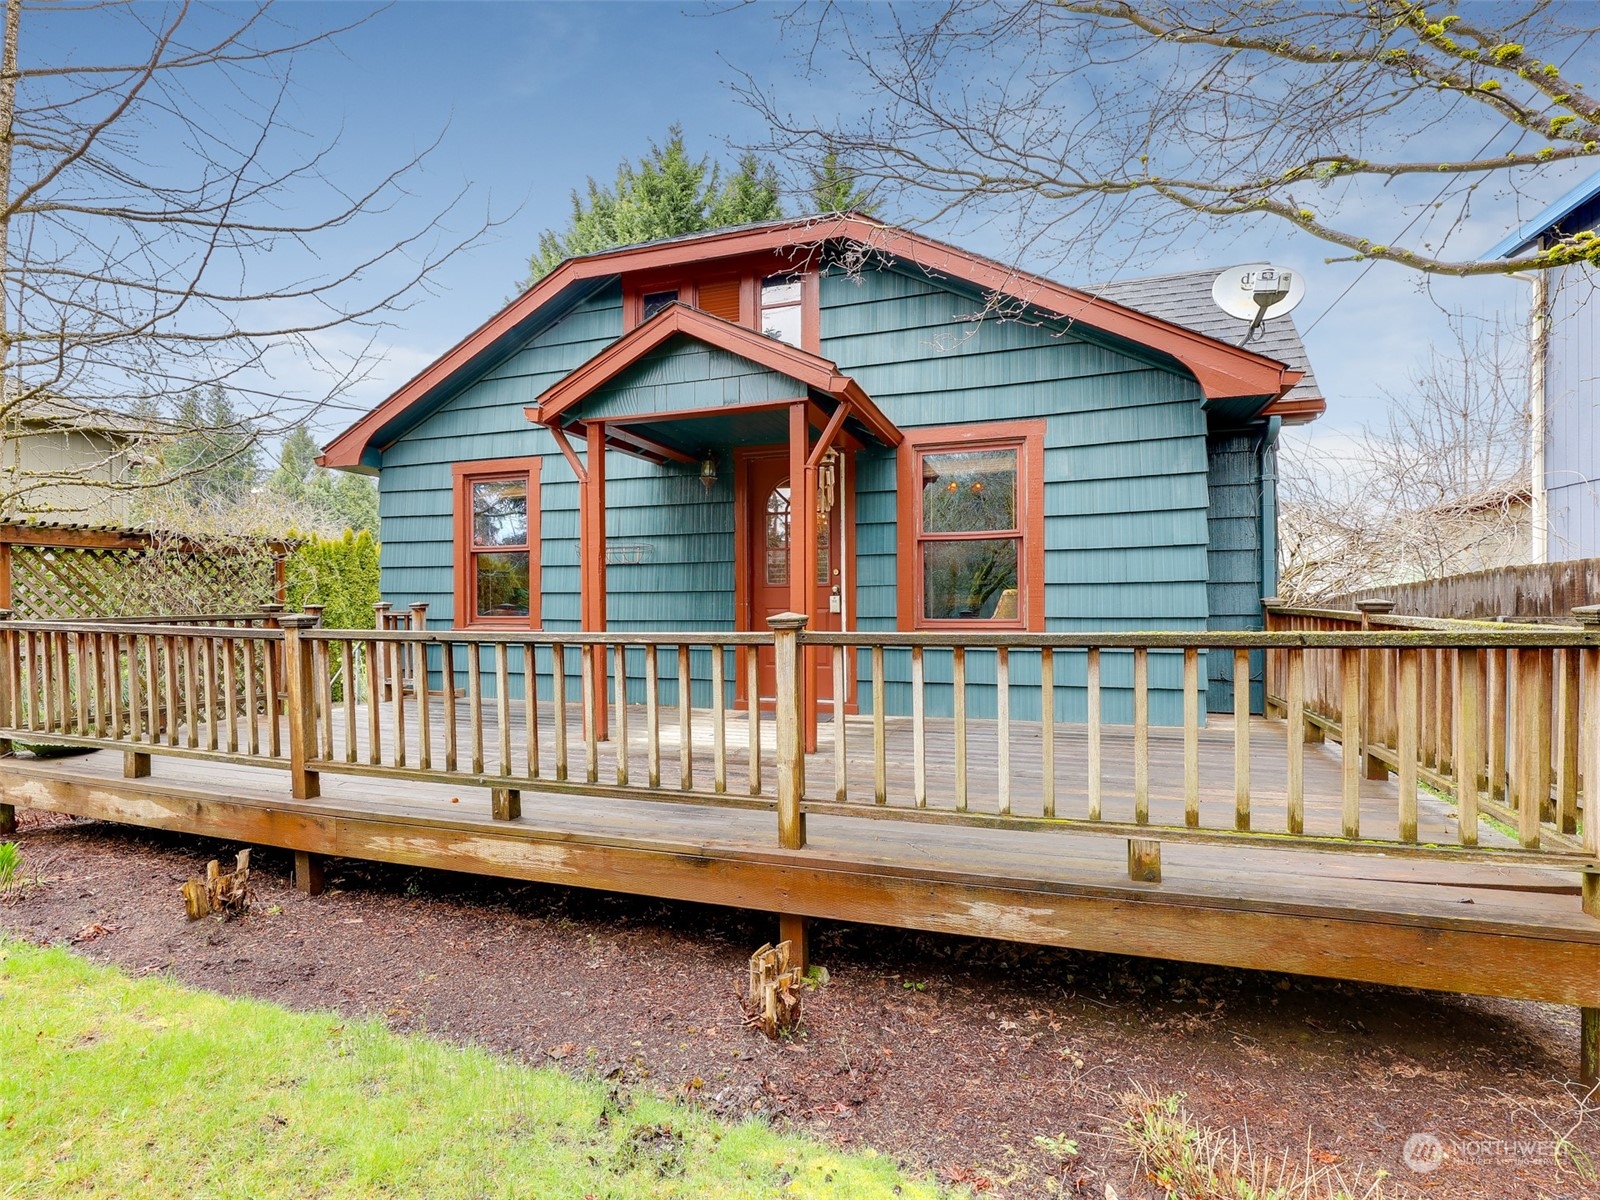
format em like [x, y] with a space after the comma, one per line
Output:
[769, 525]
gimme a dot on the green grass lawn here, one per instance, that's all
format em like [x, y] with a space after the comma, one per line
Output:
[119, 1087]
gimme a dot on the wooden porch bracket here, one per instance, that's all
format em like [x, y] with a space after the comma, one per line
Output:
[797, 932]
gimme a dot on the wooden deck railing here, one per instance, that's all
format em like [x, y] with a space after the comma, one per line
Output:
[1121, 745]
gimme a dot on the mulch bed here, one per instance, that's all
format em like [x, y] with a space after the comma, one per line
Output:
[952, 1054]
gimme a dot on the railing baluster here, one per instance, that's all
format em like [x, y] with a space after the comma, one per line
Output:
[1523, 717]
[880, 771]
[230, 692]
[752, 696]
[347, 673]
[652, 715]
[841, 762]
[958, 667]
[919, 730]
[152, 690]
[1047, 729]
[1498, 683]
[475, 705]
[447, 694]
[1296, 799]
[1141, 736]
[719, 718]
[1002, 704]
[118, 725]
[558, 701]
[1350, 726]
[591, 735]
[397, 692]
[1092, 732]
[1407, 748]
[81, 679]
[1468, 751]
[191, 688]
[1191, 737]
[1241, 740]
[252, 720]
[685, 722]
[374, 653]
[420, 686]
[621, 729]
[1567, 730]
[530, 706]
[47, 687]
[502, 701]
[97, 646]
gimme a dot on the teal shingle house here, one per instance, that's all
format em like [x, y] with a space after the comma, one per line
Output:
[839, 418]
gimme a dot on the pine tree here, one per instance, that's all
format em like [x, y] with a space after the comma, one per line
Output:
[214, 452]
[338, 499]
[665, 194]
[834, 189]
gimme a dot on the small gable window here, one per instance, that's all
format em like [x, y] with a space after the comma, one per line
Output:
[780, 308]
[972, 520]
[497, 543]
[653, 302]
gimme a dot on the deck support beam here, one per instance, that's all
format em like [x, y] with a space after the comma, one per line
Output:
[135, 765]
[8, 819]
[1589, 1051]
[796, 931]
[308, 873]
[505, 803]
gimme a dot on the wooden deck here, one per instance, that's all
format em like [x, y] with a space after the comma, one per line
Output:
[1480, 927]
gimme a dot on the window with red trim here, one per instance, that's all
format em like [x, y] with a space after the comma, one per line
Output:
[497, 543]
[972, 528]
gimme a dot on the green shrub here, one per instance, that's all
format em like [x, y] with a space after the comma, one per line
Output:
[10, 865]
[340, 573]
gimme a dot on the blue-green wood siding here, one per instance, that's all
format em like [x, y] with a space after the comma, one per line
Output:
[1235, 588]
[1125, 492]
[1141, 527]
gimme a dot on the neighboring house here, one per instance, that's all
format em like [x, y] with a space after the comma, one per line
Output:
[1074, 465]
[62, 459]
[1564, 376]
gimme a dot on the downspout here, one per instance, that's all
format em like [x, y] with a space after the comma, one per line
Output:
[1269, 506]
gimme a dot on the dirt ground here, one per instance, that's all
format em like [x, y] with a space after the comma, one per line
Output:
[953, 1055]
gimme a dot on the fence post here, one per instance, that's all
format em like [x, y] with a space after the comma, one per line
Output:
[297, 654]
[8, 708]
[1373, 681]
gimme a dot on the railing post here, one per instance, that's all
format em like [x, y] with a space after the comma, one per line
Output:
[1589, 740]
[786, 628]
[1373, 681]
[1271, 660]
[416, 656]
[304, 783]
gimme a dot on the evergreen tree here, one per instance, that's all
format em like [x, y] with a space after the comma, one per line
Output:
[213, 453]
[337, 498]
[834, 189]
[664, 194]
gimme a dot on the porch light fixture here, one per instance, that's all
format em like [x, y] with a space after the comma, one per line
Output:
[708, 472]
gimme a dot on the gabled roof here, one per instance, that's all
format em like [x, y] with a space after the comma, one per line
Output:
[1223, 371]
[1555, 217]
[677, 320]
[1185, 299]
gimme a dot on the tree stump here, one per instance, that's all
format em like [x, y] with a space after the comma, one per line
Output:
[773, 1002]
[226, 895]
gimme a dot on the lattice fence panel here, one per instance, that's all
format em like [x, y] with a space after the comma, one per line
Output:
[61, 583]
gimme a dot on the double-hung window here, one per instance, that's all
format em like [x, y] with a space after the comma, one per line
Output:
[972, 520]
[497, 543]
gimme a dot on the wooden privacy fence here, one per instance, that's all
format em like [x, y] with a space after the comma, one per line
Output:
[1488, 731]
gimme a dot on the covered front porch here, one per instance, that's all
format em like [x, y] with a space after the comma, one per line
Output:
[788, 437]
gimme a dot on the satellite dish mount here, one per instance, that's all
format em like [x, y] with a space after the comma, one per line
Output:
[1257, 292]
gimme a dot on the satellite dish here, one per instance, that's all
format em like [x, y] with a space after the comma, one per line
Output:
[1257, 292]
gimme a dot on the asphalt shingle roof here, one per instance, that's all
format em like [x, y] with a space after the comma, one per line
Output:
[1185, 299]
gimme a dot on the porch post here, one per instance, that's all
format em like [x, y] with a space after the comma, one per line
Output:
[592, 545]
[803, 558]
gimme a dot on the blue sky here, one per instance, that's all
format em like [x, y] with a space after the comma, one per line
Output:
[534, 97]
